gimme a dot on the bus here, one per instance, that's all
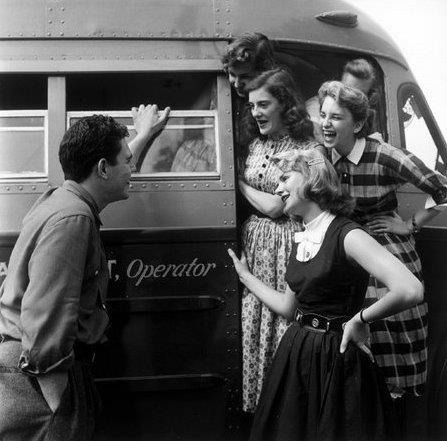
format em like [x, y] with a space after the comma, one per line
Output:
[171, 369]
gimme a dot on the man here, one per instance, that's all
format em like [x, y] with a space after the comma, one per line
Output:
[52, 312]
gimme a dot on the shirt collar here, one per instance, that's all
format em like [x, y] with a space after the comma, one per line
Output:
[83, 194]
[354, 155]
[315, 230]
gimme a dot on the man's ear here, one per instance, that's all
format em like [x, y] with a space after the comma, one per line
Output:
[102, 168]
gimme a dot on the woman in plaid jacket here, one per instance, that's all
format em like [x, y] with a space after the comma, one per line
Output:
[371, 171]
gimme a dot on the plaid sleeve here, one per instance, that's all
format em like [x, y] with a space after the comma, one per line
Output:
[408, 168]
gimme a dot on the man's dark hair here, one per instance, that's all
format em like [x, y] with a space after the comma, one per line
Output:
[86, 142]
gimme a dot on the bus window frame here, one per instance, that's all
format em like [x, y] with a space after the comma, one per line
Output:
[34, 177]
[403, 93]
[214, 175]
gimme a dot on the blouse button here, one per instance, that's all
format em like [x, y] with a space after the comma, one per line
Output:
[267, 156]
[96, 272]
[264, 165]
[260, 175]
[307, 254]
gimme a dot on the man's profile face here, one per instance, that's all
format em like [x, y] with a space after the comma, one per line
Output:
[357, 83]
[120, 173]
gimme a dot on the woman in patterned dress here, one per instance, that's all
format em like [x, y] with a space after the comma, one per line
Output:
[371, 171]
[277, 122]
[323, 384]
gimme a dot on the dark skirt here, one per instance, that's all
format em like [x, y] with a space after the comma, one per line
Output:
[314, 393]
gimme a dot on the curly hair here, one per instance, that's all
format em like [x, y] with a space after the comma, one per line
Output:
[321, 183]
[352, 99]
[254, 50]
[86, 142]
[280, 84]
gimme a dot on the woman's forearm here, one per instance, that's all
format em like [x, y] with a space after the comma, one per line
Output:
[269, 204]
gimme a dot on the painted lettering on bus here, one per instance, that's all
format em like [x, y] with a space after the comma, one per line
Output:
[138, 270]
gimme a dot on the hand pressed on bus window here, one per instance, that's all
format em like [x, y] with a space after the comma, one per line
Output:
[147, 121]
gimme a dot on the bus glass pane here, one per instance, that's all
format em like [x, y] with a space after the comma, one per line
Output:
[22, 153]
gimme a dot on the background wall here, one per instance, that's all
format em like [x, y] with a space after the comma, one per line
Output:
[419, 27]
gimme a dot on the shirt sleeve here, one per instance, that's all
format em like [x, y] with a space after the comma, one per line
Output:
[408, 168]
[50, 305]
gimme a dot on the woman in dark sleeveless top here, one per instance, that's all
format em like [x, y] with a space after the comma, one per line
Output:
[324, 384]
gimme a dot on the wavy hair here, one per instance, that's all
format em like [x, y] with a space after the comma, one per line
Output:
[352, 99]
[321, 183]
[280, 84]
[254, 49]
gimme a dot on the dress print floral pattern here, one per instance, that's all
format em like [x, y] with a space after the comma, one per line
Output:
[267, 244]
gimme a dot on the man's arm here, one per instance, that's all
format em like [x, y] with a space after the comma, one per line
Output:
[50, 305]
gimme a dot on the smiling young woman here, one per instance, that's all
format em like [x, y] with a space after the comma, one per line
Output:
[323, 383]
[372, 171]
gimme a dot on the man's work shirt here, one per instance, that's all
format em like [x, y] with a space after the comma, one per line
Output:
[54, 293]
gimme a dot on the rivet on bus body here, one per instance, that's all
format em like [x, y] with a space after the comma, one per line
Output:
[7, 188]
[33, 187]
[182, 185]
[169, 185]
[62, 21]
[207, 185]
[62, 9]
[156, 185]
[144, 185]
[228, 112]
[227, 94]
[217, 10]
[48, 34]
[130, 185]
[50, 9]
[217, 35]
[229, 130]
[230, 167]
[224, 204]
[232, 221]
[62, 34]
[217, 22]
[20, 188]
[195, 185]
[228, 9]
[225, 222]
[50, 21]
[114, 34]
[224, 185]
[228, 23]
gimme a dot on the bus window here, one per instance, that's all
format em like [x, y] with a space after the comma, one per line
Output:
[23, 144]
[187, 146]
[23, 127]
[416, 133]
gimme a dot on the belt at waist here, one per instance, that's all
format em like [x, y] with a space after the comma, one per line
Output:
[320, 322]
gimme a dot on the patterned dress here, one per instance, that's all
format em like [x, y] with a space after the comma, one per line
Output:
[373, 176]
[267, 244]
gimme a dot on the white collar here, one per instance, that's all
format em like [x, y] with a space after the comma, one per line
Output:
[354, 155]
[315, 230]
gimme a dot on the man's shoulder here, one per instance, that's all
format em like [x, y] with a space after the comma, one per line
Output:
[57, 205]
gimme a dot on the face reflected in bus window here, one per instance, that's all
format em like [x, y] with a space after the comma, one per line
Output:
[266, 110]
[239, 76]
